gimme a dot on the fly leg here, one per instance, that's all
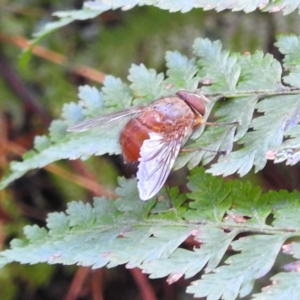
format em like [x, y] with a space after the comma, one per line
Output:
[222, 152]
[221, 124]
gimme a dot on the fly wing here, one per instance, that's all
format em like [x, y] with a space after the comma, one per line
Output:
[158, 155]
[106, 120]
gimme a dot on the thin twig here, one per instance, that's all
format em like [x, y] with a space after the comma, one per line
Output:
[143, 284]
[83, 181]
[77, 283]
[55, 57]
[18, 88]
[97, 284]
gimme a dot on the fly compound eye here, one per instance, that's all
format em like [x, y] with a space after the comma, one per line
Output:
[197, 102]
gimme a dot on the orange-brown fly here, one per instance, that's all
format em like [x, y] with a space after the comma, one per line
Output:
[154, 135]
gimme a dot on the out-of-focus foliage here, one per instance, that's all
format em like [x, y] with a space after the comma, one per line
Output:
[92, 9]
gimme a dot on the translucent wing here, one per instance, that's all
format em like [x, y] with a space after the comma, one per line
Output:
[106, 120]
[158, 155]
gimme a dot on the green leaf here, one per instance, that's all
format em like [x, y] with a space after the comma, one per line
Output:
[257, 256]
[217, 66]
[41, 142]
[181, 71]
[186, 263]
[80, 215]
[249, 203]
[286, 214]
[116, 93]
[146, 83]
[284, 286]
[211, 197]
[261, 66]
[128, 189]
[57, 223]
[244, 107]
[290, 47]
[58, 130]
[72, 113]
[92, 101]
[34, 232]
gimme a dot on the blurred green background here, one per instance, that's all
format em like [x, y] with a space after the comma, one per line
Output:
[82, 53]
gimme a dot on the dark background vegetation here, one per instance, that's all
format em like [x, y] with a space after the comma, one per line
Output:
[30, 97]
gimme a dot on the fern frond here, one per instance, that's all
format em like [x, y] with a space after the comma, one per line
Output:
[266, 110]
[92, 9]
[148, 235]
[284, 286]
